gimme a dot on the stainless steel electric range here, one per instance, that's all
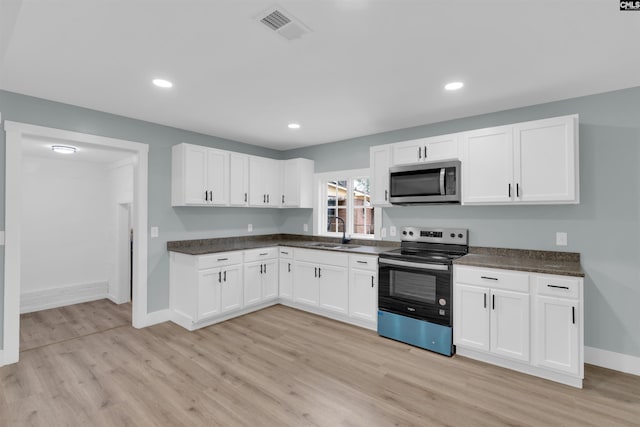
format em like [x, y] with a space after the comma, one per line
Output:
[415, 287]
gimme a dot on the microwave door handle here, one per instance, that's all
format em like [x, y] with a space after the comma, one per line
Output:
[442, 181]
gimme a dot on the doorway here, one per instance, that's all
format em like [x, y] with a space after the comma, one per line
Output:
[135, 213]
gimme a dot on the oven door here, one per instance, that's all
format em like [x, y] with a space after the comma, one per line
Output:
[419, 290]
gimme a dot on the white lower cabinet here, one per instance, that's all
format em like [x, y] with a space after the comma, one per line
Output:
[363, 288]
[285, 273]
[261, 275]
[205, 289]
[527, 322]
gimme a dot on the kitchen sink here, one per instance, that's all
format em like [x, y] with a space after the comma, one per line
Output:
[327, 245]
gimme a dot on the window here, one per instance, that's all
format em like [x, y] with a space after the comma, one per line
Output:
[345, 204]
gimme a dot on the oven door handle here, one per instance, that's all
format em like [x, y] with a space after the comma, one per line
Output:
[420, 266]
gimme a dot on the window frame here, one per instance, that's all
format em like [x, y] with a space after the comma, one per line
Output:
[320, 206]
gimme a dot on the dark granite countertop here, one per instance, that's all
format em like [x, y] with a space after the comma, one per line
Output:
[547, 262]
[226, 244]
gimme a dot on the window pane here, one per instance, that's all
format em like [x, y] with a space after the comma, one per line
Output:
[361, 192]
[363, 220]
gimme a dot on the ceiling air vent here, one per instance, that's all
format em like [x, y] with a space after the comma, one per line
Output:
[283, 23]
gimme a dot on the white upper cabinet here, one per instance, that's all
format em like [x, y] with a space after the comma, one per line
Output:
[203, 176]
[297, 181]
[546, 153]
[487, 166]
[264, 182]
[200, 176]
[379, 162]
[426, 150]
[238, 179]
[526, 163]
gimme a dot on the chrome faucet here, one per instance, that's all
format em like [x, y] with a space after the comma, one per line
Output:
[344, 229]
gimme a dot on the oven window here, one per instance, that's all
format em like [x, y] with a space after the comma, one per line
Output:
[413, 286]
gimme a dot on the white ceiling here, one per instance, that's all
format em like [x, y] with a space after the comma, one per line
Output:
[368, 66]
[86, 152]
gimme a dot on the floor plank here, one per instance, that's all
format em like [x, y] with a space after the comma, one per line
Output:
[281, 367]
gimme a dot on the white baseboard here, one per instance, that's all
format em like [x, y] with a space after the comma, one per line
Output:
[612, 360]
[62, 296]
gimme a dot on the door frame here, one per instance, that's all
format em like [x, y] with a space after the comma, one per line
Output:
[14, 134]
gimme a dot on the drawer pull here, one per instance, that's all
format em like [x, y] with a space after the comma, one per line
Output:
[266, 253]
[223, 259]
[362, 262]
[283, 252]
[558, 286]
[488, 278]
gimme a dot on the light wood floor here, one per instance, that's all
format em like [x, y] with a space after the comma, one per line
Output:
[283, 367]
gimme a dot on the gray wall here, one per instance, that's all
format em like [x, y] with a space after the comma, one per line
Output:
[604, 227]
[174, 223]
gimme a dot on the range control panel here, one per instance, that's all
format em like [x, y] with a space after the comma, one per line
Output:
[458, 236]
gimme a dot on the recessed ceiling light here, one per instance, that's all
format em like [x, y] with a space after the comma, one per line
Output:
[454, 86]
[63, 149]
[294, 126]
[162, 83]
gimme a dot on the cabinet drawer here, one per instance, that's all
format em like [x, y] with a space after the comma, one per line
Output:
[492, 278]
[322, 257]
[260, 253]
[557, 286]
[363, 262]
[219, 259]
[285, 252]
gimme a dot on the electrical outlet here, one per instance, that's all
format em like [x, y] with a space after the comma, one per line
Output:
[155, 232]
[305, 227]
[250, 228]
[392, 231]
[383, 232]
[561, 238]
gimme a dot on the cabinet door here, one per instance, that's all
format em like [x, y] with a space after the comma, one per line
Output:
[305, 283]
[443, 147]
[209, 282]
[286, 279]
[264, 182]
[545, 152]
[407, 152]
[270, 279]
[195, 174]
[334, 288]
[218, 176]
[556, 334]
[487, 169]
[363, 294]
[471, 317]
[379, 162]
[290, 183]
[238, 179]
[252, 283]
[231, 292]
[510, 324]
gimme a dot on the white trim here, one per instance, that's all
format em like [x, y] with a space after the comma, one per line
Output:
[612, 360]
[13, 160]
[63, 295]
[2, 358]
[156, 317]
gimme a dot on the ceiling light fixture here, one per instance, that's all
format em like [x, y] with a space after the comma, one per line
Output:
[162, 83]
[454, 86]
[294, 126]
[63, 149]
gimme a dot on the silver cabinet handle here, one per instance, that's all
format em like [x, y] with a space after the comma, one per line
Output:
[425, 151]
[488, 278]
[264, 198]
[517, 190]
[509, 190]
[573, 315]
[265, 269]
[267, 198]
[219, 276]
[386, 195]
[260, 268]
[263, 254]
[362, 262]
[283, 252]
[211, 196]
[283, 199]
[319, 272]
[419, 152]
[223, 259]
[372, 281]
[245, 197]
[206, 196]
[289, 268]
[315, 271]
[224, 276]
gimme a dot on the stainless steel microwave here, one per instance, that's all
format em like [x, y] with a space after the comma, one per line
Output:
[424, 183]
